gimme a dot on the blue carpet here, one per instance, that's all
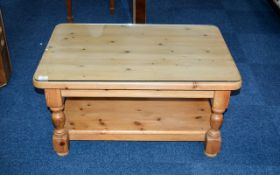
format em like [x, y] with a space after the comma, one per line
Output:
[251, 130]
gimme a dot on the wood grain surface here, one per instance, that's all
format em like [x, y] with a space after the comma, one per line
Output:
[137, 119]
[136, 53]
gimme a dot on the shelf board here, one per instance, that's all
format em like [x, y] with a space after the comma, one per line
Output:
[141, 119]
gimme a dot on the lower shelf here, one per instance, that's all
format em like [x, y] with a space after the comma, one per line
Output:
[137, 119]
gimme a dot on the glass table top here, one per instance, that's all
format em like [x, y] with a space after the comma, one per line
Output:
[137, 53]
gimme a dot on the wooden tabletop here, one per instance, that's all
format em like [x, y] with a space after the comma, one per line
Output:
[136, 53]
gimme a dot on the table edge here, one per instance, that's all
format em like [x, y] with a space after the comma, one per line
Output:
[194, 85]
[132, 24]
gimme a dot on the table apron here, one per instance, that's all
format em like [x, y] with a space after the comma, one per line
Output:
[138, 93]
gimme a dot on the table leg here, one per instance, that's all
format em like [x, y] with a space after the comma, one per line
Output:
[112, 7]
[139, 11]
[60, 136]
[69, 11]
[213, 136]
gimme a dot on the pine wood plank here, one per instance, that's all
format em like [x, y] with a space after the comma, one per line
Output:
[137, 119]
[138, 93]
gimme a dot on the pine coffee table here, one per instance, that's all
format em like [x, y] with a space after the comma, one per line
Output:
[137, 82]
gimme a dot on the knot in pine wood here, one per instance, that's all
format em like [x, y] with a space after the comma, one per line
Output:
[195, 85]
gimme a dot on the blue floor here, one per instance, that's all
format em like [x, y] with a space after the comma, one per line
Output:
[251, 130]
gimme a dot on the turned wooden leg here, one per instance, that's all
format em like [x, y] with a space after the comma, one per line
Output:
[60, 136]
[112, 7]
[139, 11]
[213, 136]
[69, 11]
